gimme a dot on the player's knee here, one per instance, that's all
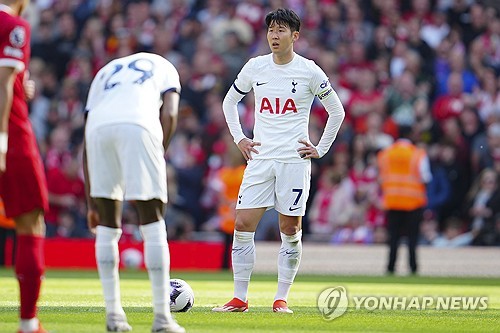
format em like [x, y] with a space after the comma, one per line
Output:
[243, 225]
[294, 237]
[244, 236]
[31, 223]
[150, 211]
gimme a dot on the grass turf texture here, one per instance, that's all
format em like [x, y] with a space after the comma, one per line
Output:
[71, 302]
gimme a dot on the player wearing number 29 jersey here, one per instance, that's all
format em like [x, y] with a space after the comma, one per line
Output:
[132, 113]
[128, 90]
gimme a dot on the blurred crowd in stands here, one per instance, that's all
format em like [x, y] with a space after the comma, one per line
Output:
[433, 65]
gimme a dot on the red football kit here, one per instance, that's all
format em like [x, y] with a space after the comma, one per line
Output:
[23, 186]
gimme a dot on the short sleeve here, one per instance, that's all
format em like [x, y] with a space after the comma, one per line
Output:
[91, 98]
[14, 44]
[243, 82]
[171, 80]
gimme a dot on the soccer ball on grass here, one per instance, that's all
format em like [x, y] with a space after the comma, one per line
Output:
[181, 296]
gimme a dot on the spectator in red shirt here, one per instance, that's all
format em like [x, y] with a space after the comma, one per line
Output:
[451, 104]
[66, 198]
[351, 69]
[58, 149]
[365, 100]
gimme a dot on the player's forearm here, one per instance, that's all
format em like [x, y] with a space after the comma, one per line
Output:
[336, 116]
[5, 105]
[90, 201]
[168, 116]
[169, 127]
[230, 108]
[7, 78]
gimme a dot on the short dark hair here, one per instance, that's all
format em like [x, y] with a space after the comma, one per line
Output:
[284, 16]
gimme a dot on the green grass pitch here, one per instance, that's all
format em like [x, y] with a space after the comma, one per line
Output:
[71, 302]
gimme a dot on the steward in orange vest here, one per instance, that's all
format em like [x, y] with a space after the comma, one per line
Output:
[403, 171]
[400, 176]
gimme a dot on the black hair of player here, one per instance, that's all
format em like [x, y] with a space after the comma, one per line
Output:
[285, 17]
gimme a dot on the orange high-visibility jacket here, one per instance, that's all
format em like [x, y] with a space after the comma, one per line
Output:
[5, 222]
[401, 181]
[231, 177]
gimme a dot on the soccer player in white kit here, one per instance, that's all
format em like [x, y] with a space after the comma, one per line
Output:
[279, 156]
[131, 115]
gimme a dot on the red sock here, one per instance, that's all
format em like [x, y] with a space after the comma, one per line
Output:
[29, 270]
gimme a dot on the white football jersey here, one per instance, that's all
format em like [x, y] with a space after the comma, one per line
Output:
[129, 90]
[283, 99]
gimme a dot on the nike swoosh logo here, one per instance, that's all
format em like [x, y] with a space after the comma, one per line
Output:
[260, 83]
[292, 209]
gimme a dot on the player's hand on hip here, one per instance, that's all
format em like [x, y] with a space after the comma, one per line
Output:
[308, 150]
[29, 87]
[92, 219]
[246, 146]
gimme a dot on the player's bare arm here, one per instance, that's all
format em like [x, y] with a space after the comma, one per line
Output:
[168, 115]
[246, 146]
[308, 150]
[7, 77]
[92, 214]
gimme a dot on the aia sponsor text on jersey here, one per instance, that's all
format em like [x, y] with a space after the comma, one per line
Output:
[266, 105]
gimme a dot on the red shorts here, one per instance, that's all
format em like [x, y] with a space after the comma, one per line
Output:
[23, 186]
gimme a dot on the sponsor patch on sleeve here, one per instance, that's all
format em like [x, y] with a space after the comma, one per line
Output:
[12, 52]
[17, 37]
[325, 93]
[324, 84]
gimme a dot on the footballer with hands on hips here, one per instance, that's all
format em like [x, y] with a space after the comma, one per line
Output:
[278, 172]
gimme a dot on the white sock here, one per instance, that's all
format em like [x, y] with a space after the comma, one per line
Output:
[107, 257]
[157, 260]
[243, 256]
[29, 325]
[288, 263]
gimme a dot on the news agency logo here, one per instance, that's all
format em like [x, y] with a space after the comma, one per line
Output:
[333, 303]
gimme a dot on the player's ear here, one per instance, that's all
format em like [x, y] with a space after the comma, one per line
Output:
[295, 36]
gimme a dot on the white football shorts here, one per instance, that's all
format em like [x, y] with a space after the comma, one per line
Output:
[126, 161]
[284, 186]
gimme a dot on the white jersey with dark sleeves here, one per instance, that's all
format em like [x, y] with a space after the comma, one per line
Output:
[129, 90]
